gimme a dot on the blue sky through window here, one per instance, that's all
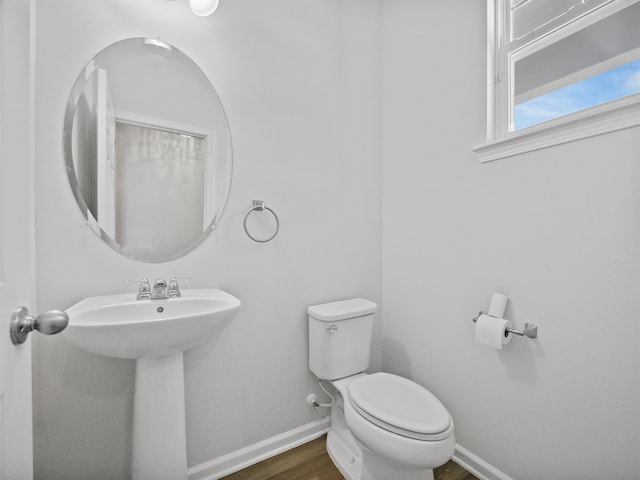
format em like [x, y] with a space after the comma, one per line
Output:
[604, 87]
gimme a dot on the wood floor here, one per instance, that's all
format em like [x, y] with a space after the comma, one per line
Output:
[311, 462]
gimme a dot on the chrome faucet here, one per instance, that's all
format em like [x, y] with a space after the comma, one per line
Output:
[159, 289]
[144, 291]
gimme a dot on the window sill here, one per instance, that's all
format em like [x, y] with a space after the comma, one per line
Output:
[624, 113]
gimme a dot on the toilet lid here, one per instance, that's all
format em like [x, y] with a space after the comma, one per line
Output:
[400, 405]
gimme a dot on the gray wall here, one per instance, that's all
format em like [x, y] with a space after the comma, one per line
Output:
[558, 230]
[300, 81]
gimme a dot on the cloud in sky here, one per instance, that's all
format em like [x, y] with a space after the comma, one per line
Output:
[633, 83]
[604, 87]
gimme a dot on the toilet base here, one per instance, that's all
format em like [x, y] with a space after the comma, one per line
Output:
[375, 468]
[343, 458]
[370, 466]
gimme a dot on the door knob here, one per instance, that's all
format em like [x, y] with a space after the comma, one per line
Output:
[49, 323]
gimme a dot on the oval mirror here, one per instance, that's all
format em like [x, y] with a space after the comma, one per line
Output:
[147, 149]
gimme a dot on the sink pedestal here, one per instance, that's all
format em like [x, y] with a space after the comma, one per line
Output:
[159, 434]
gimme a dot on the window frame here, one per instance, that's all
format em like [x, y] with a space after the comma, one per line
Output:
[501, 56]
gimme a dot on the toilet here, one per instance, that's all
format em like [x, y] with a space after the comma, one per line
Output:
[383, 426]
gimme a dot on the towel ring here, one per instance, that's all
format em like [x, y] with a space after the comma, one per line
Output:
[258, 205]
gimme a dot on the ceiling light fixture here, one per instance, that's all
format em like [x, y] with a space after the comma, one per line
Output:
[202, 8]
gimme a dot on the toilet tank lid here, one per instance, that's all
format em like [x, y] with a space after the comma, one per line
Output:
[334, 311]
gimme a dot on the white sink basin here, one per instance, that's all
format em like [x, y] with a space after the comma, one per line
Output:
[121, 326]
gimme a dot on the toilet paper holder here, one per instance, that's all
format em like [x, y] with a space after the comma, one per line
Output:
[530, 330]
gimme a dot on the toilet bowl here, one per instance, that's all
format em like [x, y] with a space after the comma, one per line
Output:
[397, 425]
[383, 426]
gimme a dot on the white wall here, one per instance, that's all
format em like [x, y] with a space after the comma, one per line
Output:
[558, 230]
[300, 81]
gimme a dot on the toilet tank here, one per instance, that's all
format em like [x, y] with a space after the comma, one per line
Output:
[340, 337]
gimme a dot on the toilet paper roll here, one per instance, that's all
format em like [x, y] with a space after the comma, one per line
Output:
[498, 305]
[492, 332]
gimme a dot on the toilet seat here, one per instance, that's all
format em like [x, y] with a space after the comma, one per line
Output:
[400, 406]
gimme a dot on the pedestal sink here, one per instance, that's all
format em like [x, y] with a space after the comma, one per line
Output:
[155, 333]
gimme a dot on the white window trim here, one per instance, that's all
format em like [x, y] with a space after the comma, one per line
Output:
[609, 117]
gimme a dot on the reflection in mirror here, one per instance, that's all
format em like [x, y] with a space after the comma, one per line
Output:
[147, 150]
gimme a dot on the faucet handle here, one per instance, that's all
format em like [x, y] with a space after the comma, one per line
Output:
[144, 282]
[174, 287]
[144, 291]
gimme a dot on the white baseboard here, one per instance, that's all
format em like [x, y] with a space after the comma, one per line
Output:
[477, 466]
[245, 457]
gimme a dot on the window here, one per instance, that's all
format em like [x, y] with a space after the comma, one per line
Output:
[562, 64]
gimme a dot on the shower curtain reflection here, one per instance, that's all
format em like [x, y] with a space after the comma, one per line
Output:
[160, 182]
